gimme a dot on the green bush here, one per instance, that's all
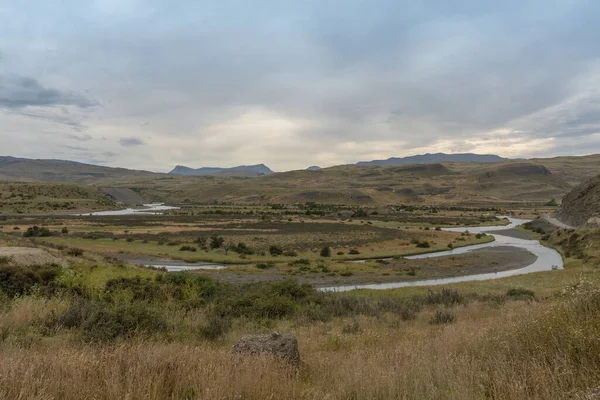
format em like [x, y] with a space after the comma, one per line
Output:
[187, 248]
[290, 253]
[19, 280]
[265, 265]
[353, 251]
[216, 241]
[301, 261]
[325, 251]
[275, 250]
[75, 252]
[241, 248]
[442, 317]
[36, 231]
[99, 321]
[424, 244]
[520, 292]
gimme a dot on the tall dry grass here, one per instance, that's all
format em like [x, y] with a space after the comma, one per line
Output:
[514, 351]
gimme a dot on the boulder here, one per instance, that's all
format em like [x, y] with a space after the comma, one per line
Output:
[275, 344]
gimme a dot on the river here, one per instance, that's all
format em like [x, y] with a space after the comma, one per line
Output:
[150, 209]
[547, 259]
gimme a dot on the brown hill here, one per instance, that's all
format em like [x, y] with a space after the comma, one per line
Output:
[581, 206]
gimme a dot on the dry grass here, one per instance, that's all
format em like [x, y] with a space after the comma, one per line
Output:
[514, 351]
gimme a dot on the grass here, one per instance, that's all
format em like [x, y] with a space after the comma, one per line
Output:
[381, 249]
[121, 332]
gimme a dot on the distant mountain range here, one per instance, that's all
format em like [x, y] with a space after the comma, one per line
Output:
[436, 158]
[261, 169]
[242, 170]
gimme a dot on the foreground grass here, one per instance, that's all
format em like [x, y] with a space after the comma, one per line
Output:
[518, 350]
[166, 336]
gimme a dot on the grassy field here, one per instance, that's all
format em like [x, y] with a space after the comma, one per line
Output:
[96, 331]
[31, 197]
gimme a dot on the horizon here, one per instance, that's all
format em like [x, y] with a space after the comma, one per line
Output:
[152, 85]
[288, 170]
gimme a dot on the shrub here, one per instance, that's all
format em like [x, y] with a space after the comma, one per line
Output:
[346, 273]
[265, 265]
[75, 252]
[36, 231]
[325, 251]
[19, 280]
[450, 246]
[241, 248]
[442, 317]
[201, 241]
[424, 244]
[64, 231]
[187, 248]
[520, 292]
[215, 327]
[340, 253]
[216, 241]
[351, 329]
[275, 250]
[353, 251]
[290, 253]
[447, 297]
[302, 261]
[105, 322]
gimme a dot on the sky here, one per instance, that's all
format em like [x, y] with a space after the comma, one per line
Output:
[153, 84]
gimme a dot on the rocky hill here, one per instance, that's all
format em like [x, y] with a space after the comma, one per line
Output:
[242, 170]
[435, 158]
[581, 206]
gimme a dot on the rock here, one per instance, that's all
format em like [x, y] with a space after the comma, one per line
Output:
[274, 344]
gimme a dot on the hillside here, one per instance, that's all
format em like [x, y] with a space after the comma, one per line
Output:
[435, 158]
[34, 197]
[581, 206]
[23, 169]
[451, 183]
[242, 170]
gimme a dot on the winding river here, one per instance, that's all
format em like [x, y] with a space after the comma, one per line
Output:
[547, 259]
[150, 209]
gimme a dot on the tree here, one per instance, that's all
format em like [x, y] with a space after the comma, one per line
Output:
[216, 241]
[326, 251]
[201, 241]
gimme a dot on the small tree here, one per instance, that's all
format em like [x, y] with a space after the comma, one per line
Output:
[64, 231]
[201, 241]
[326, 251]
[216, 241]
[275, 250]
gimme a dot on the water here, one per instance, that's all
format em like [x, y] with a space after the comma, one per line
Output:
[546, 259]
[178, 267]
[151, 209]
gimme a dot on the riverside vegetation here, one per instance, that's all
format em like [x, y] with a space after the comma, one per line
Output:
[105, 330]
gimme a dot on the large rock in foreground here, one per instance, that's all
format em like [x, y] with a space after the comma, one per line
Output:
[275, 344]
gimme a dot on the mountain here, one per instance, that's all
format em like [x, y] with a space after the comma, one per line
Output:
[436, 158]
[25, 169]
[581, 206]
[242, 170]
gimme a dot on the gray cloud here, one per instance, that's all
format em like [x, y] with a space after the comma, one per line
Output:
[79, 138]
[299, 83]
[131, 142]
[18, 92]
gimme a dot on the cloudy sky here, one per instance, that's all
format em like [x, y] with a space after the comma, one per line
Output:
[151, 84]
